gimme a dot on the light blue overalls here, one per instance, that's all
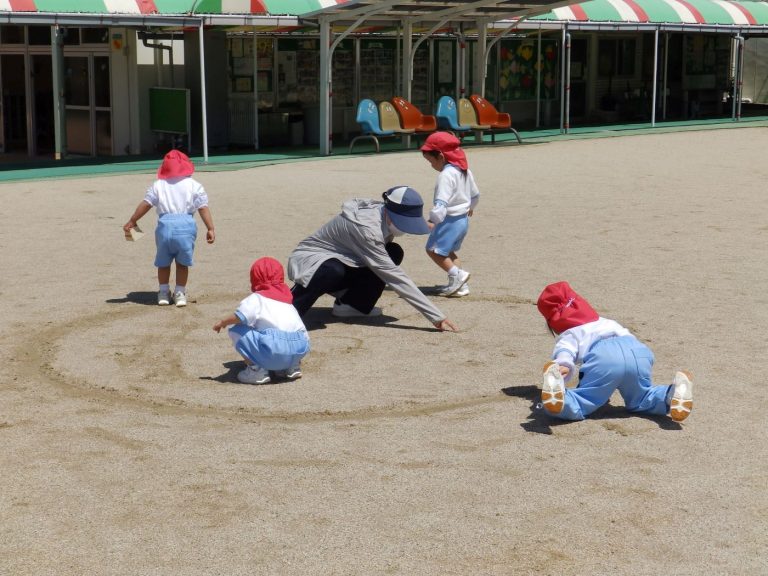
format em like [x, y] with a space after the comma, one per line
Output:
[617, 362]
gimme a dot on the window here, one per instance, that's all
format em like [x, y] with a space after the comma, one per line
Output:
[13, 35]
[617, 57]
[39, 35]
[94, 35]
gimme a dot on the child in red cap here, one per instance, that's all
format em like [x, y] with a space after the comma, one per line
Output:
[455, 198]
[609, 358]
[177, 196]
[267, 330]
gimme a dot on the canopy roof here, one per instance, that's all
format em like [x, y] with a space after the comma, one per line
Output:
[714, 12]
[383, 12]
[386, 15]
[377, 13]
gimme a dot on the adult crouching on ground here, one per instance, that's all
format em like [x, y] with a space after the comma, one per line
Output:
[353, 257]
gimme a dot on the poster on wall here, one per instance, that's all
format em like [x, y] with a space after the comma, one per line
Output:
[444, 62]
[518, 69]
[286, 66]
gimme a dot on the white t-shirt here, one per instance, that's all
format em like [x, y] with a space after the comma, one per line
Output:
[572, 344]
[262, 313]
[176, 196]
[455, 194]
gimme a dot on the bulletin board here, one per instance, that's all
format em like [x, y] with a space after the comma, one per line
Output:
[169, 110]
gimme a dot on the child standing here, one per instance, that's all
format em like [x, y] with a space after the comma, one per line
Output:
[455, 198]
[609, 358]
[177, 196]
[267, 330]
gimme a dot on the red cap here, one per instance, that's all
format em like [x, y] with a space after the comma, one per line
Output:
[268, 279]
[449, 146]
[563, 308]
[176, 164]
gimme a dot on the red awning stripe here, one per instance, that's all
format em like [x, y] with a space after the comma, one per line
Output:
[642, 16]
[693, 10]
[578, 12]
[23, 5]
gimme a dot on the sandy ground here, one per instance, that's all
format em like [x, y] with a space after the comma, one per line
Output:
[128, 447]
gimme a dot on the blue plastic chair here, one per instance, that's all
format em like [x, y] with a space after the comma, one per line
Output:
[448, 117]
[370, 125]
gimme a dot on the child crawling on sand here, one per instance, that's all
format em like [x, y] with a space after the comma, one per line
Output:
[609, 358]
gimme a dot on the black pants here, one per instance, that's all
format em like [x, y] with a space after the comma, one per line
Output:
[363, 287]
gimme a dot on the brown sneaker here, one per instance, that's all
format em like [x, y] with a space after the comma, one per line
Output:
[553, 388]
[682, 397]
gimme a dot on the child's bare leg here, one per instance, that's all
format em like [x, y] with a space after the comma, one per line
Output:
[163, 275]
[182, 274]
[445, 262]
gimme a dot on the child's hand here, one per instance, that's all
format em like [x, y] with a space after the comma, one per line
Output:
[219, 325]
[430, 225]
[564, 371]
[128, 226]
[471, 212]
[211, 237]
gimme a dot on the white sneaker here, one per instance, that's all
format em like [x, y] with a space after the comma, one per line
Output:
[163, 298]
[347, 311]
[293, 373]
[682, 397]
[553, 388]
[180, 298]
[455, 282]
[254, 375]
[463, 291]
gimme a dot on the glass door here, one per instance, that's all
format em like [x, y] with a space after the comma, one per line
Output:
[43, 120]
[88, 104]
[102, 110]
[14, 102]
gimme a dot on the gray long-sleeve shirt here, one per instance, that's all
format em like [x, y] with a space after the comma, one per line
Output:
[357, 237]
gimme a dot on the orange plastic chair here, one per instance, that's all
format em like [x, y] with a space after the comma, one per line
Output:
[411, 116]
[488, 115]
[390, 119]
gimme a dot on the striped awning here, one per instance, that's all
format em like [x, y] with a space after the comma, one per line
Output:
[167, 7]
[702, 12]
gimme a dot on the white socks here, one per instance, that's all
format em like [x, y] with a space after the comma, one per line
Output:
[453, 271]
[167, 288]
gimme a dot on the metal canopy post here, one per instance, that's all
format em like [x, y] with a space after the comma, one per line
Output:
[407, 76]
[57, 61]
[255, 90]
[538, 81]
[655, 73]
[565, 89]
[664, 80]
[738, 77]
[325, 87]
[202, 95]
[480, 73]
[461, 62]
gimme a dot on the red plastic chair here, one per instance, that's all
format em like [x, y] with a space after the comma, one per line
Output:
[488, 115]
[412, 118]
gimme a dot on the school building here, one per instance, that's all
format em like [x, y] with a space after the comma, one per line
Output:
[125, 77]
